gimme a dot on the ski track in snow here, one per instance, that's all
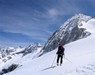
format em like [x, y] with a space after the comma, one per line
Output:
[85, 70]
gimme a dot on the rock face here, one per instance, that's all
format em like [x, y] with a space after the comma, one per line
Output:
[31, 48]
[67, 33]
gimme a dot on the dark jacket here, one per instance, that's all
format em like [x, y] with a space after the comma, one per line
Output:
[60, 50]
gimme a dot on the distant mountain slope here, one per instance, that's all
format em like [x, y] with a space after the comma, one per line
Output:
[68, 32]
[7, 53]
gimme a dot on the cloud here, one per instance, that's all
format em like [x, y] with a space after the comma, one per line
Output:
[37, 19]
[53, 12]
[13, 44]
[17, 39]
[33, 20]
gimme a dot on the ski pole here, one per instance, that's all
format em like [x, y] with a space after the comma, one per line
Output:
[67, 59]
[53, 61]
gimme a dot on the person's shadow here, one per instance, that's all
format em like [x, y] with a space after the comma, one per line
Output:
[49, 68]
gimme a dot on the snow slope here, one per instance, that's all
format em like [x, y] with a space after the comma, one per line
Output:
[90, 26]
[81, 53]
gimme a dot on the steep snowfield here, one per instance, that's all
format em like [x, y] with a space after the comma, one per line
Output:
[81, 53]
[90, 26]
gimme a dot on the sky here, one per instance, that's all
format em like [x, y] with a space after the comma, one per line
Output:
[24, 22]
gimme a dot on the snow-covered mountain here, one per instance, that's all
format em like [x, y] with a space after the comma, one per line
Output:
[68, 32]
[79, 55]
[7, 53]
[30, 49]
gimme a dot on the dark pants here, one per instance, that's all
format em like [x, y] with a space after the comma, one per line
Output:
[60, 57]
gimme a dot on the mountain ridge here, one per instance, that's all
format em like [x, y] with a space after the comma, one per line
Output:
[68, 32]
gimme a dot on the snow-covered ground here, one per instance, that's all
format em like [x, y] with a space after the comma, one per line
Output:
[79, 60]
[81, 53]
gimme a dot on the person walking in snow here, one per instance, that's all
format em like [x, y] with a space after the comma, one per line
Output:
[60, 54]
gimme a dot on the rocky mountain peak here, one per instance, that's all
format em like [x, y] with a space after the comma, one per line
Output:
[68, 32]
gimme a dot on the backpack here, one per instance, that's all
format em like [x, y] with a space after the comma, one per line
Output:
[60, 50]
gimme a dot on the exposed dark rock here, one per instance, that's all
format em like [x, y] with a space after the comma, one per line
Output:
[9, 69]
[67, 33]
